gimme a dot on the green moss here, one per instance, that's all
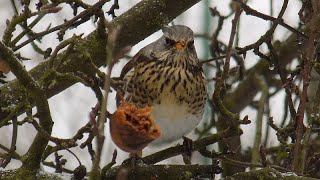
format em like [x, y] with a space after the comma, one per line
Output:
[266, 174]
[187, 175]
[26, 174]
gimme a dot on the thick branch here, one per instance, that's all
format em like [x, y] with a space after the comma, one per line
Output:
[267, 173]
[33, 157]
[199, 144]
[163, 172]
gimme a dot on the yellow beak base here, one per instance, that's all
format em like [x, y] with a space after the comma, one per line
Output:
[179, 45]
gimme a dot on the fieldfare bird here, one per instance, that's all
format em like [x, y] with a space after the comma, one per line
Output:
[168, 75]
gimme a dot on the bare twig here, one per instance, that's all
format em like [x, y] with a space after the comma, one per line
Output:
[27, 30]
[12, 149]
[246, 164]
[12, 114]
[268, 34]
[112, 59]
[80, 18]
[109, 165]
[253, 12]
[306, 80]
[114, 6]
[212, 59]
[62, 45]
[259, 119]
[220, 83]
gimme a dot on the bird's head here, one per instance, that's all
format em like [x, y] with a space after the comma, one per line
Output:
[178, 38]
[178, 42]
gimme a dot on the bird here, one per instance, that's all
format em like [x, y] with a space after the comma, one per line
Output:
[168, 76]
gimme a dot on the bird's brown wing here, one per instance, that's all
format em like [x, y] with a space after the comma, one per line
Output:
[130, 65]
[142, 55]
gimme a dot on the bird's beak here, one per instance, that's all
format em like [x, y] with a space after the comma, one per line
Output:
[180, 45]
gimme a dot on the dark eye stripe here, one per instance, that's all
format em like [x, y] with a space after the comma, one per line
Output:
[169, 41]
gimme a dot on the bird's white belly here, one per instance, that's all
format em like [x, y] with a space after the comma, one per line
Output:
[174, 120]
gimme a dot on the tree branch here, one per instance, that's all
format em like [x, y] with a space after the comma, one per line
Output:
[199, 144]
[33, 157]
[163, 172]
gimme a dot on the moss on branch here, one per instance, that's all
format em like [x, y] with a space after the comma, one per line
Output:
[162, 172]
[266, 174]
[33, 156]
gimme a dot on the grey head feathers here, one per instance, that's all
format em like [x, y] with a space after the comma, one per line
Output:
[178, 33]
[172, 35]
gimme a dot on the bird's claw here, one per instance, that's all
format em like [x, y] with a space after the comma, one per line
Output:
[134, 161]
[188, 149]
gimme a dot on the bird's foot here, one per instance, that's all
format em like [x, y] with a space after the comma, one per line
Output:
[188, 149]
[134, 160]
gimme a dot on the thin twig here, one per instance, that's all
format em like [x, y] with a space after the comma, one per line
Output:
[221, 81]
[99, 128]
[246, 164]
[109, 165]
[81, 17]
[212, 59]
[62, 45]
[12, 114]
[259, 119]
[27, 29]
[295, 166]
[268, 34]
[226, 66]
[253, 12]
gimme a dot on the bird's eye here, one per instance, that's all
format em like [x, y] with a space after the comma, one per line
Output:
[190, 44]
[169, 41]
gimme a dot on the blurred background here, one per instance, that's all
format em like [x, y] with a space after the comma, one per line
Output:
[70, 108]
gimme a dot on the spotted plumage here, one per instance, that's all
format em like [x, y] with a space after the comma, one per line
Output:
[167, 75]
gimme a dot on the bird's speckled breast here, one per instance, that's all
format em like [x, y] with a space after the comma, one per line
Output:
[177, 94]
